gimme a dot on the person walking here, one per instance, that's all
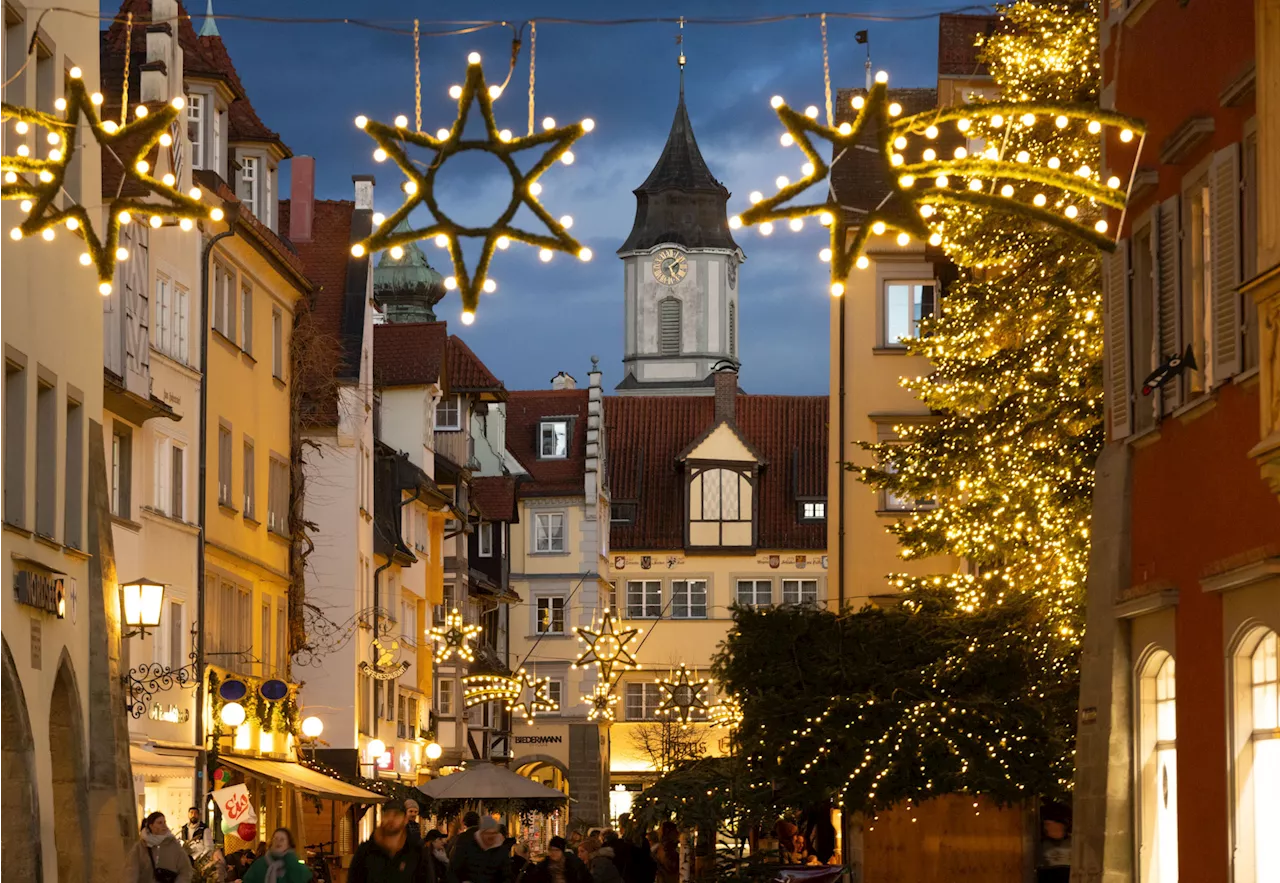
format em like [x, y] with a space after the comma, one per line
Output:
[412, 824]
[433, 846]
[667, 854]
[469, 823]
[280, 863]
[603, 869]
[391, 855]
[157, 856]
[481, 856]
[561, 865]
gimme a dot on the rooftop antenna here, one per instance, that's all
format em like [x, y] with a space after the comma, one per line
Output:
[681, 58]
[861, 37]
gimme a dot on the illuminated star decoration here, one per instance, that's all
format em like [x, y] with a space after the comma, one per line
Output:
[682, 697]
[726, 713]
[478, 689]
[989, 181]
[420, 188]
[601, 703]
[535, 697]
[452, 638]
[608, 648]
[130, 144]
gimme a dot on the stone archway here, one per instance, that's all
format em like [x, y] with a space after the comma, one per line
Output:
[70, 782]
[20, 855]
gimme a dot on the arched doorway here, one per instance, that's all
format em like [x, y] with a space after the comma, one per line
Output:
[70, 786]
[538, 829]
[20, 855]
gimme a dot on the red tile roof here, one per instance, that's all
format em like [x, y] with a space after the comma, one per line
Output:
[408, 354]
[467, 374]
[495, 497]
[646, 435]
[281, 249]
[244, 122]
[525, 410]
[958, 49]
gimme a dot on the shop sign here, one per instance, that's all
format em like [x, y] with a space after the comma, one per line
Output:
[387, 761]
[406, 762]
[539, 740]
[40, 590]
[172, 715]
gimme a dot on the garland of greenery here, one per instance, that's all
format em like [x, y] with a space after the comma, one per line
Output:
[270, 716]
[420, 187]
[130, 144]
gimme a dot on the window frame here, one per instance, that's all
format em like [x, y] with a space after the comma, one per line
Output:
[648, 706]
[196, 102]
[16, 396]
[251, 174]
[558, 451]
[799, 582]
[755, 582]
[812, 511]
[912, 323]
[1150, 761]
[249, 478]
[557, 611]
[445, 697]
[1195, 299]
[121, 466]
[551, 547]
[226, 466]
[449, 404]
[277, 343]
[223, 317]
[648, 607]
[688, 604]
[246, 315]
[484, 539]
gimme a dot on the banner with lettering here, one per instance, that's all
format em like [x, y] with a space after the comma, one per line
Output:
[236, 806]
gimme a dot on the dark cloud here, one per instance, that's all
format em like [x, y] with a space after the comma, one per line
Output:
[309, 83]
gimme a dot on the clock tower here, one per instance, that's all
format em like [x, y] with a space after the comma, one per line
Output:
[681, 274]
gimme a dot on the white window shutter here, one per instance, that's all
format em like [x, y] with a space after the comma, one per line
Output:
[1168, 320]
[1115, 269]
[1224, 203]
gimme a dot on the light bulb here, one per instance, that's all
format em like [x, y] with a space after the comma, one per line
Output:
[900, 142]
[489, 286]
[735, 222]
[122, 254]
[588, 124]
[503, 242]
[1039, 199]
[1101, 226]
[811, 112]
[960, 153]
[75, 73]
[941, 181]
[55, 155]
[494, 91]
[24, 150]
[903, 239]
[468, 317]
[766, 228]
[787, 139]
[894, 109]
[124, 217]
[166, 139]
[844, 128]
[105, 289]
[455, 92]
[975, 185]
[862, 262]
[21, 127]
[216, 214]
[1113, 182]
[1071, 211]
[156, 221]
[186, 224]
[797, 224]
[781, 181]
[378, 218]
[397, 252]
[411, 187]
[1054, 162]
[96, 98]
[935, 239]
[401, 121]
[907, 180]
[72, 223]
[379, 155]
[931, 132]
[882, 77]
[878, 228]
[896, 160]
[1006, 191]
[54, 137]
[857, 102]
[25, 205]
[45, 176]
[15, 234]
[826, 219]
[837, 289]
[963, 125]
[140, 110]
[584, 254]
[60, 104]
[991, 153]
[362, 121]
[807, 169]
[1028, 119]
[775, 102]
[194, 193]
[143, 166]
[1084, 171]
[1061, 122]
[534, 188]
[451, 282]
[10, 177]
[544, 255]
[442, 240]
[548, 123]
[442, 134]
[168, 179]
[357, 250]
[47, 235]
[85, 260]
[567, 157]
[504, 135]
[929, 154]
[1126, 135]
[755, 196]
[825, 255]
[1094, 127]
[1023, 156]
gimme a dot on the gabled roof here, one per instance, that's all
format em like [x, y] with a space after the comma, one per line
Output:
[467, 374]
[958, 49]
[525, 410]
[495, 497]
[647, 434]
[409, 354]
[243, 120]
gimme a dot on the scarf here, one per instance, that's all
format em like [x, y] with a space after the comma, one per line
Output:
[154, 840]
[275, 866]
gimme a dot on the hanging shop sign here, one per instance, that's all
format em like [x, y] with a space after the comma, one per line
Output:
[172, 715]
[43, 591]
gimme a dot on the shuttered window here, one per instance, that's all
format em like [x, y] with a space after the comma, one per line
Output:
[1249, 241]
[1142, 330]
[1169, 274]
[1197, 284]
[1115, 269]
[278, 496]
[669, 327]
[1224, 218]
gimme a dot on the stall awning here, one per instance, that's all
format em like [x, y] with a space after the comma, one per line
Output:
[303, 779]
[162, 766]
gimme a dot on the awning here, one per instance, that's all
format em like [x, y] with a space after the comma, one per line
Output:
[161, 766]
[303, 779]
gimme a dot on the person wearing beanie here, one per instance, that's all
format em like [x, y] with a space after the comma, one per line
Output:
[481, 856]
[391, 855]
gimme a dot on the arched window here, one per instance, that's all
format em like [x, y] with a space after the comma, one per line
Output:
[1256, 753]
[733, 329]
[1158, 771]
[669, 326]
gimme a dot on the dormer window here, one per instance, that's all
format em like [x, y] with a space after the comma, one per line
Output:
[250, 183]
[553, 438]
[813, 510]
[720, 508]
[448, 414]
[195, 132]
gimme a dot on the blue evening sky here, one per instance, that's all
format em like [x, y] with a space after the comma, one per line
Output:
[309, 82]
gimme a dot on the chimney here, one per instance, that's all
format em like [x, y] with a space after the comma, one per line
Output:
[726, 395]
[160, 64]
[564, 380]
[302, 198]
[364, 192]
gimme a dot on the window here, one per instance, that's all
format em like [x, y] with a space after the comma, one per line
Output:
[224, 307]
[486, 539]
[73, 502]
[264, 649]
[644, 599]
[364, 699]
[1265, 739]
[1249, 238]
[177, 635]
[277, 344]
[905, 305]
[689, 599]
[799, 591]
[813, 510]
[550, 616]
[278, 497]
[669, 326]
[1142, 303]
[720, 495]
[46, 82]
[449, 413]
[409, 620]
[195, 134]
[161, 327]
[401, 709]
[46, 458]
[224, 465]
[548, 532]
[611, 597]
[410, 718]
[121, 470]
[1196, 305]
[177, 471]
[555, 690]
[733, 329]
[246, 317]
[444, 697]
[554, 439]
[15, 57]
[755, 592]
[1157, 732]
[169, 332]
[230, 611]
[15, 443]
[249, 182]
[643, 701]
[250, 491]
[282, 637]
[216, 161]
[720, 508]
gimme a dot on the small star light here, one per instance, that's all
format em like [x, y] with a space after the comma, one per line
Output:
[420, 187]
[452, 638]
[726, 713]
[682, 697]
[927, 180]
[601, 703]
[607, 647]
[533, 698]
[39, 181]
[479, 689]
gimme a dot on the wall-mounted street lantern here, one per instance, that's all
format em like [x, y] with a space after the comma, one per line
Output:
[141, 601]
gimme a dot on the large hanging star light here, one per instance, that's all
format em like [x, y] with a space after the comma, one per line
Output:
[682, 696]
[534, 697]
[1069, 199]
[37, 182]
[420, 187]
[523, 693]
[601, 702]
[607, 648]
[452, 638]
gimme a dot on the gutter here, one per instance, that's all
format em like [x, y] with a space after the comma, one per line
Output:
[841, 472]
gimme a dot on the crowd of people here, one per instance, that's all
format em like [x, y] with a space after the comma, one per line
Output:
[403, 849]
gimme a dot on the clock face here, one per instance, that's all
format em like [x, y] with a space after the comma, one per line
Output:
[670, 266]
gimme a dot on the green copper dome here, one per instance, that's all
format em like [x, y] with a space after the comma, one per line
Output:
[407, 286]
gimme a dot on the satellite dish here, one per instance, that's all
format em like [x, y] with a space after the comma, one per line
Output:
[232, 690]
[274, 690]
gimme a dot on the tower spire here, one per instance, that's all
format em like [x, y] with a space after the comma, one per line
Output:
[210, 26]
[680, 58]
